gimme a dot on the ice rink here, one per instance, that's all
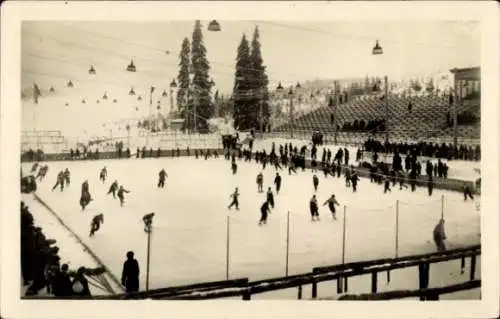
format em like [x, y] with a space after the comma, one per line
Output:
[190, 226]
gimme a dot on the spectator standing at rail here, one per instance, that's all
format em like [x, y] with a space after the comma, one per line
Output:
[130, 273]
[439, 236]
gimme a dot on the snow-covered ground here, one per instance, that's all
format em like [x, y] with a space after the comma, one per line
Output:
[189, 236]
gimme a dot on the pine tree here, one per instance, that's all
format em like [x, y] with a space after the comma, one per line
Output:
[242, 86]
[201, 80]
[183, 78]
[258, 84]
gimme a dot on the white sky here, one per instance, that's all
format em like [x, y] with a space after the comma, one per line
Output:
[292, 51]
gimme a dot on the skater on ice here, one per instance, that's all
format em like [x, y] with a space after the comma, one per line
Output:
[103, 174]
[264, 211]
[332, 201]
[260, 182]
[121, 195]
[161, 178]
[235, 201]
[315, 182]
[354, 181]
[277, 182]
[60, 181]
[42, 172]
[387, 185]
[67, 177]
[96, 224]
[113, 188]
[313, 208]
[439, 236]
[234, 167]
[467, 192]
[130, 273]
[85, 197]
[270, 197]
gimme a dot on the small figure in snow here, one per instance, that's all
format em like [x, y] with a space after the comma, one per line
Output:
[161, 179]
[387, 185]
[467, 192]
[277, 182]
[270, 197]
[234, 167]
[85, 197]
[60, 181]
[260, 182]
[264, 211]
[121, 194]
[96, 224]
[354, 181]
[235, 201]
[113, 188]
[332, 201]
[315, 182]
[103, 174]
[42, 172]
[67, 177]
[313, 208]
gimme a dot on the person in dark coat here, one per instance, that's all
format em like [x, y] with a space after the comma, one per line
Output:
[264, 211]
[62, 283]
[130, 273]
[439, 236]
[277, 182]
[80, 284]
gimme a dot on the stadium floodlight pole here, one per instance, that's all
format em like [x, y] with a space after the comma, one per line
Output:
[455, 115]
[290, 94]
[148, 228]
[386, 109]
[335, 113]
[377, 50]
[173, 85]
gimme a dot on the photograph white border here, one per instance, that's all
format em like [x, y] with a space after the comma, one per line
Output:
[14, 12]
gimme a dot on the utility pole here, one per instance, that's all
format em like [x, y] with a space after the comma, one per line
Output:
[386, 109]
[290, 93]
[455, 115]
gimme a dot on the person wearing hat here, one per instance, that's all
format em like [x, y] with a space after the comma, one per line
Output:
[130, 273]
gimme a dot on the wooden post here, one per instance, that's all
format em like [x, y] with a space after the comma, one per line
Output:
[148, 258]
[299, 294]
[397, 228]
[246, 295]
[314, 290]
[345, 284]
[374, 282]
[472, 267]
[287, 242]
[227, 248]
[343, 236]
[339, 285]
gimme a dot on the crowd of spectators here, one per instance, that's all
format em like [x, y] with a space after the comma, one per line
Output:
[445, 151]
[362, 126]
[40, 264]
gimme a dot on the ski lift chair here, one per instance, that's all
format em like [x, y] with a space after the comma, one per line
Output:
[131, 67]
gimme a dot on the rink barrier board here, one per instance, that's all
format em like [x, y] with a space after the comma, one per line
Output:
[80, 241]
[342, 272]
[428, 294]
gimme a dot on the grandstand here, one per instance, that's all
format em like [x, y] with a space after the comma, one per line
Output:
[426, 120]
